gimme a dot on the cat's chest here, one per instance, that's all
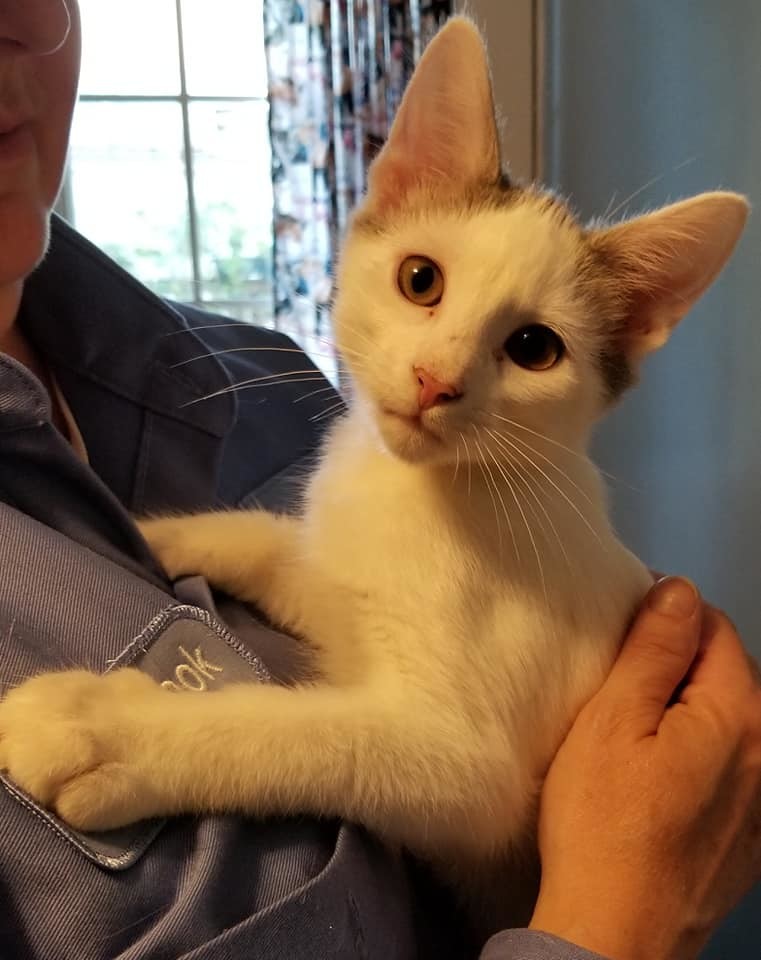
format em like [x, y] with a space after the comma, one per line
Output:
[404, 548]
[406, 567]
[421, 565]
[450, 612]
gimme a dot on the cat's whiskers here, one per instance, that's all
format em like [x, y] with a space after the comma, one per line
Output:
[470, 467]
[330, 353]
[550, 440]
[457, 462]
[533, 452]
[141, 920]
[210, 326]
[645, 186]
[550, 462]
[309, 375]
[503, 438]
[497, 490]
[551, 621]
[606, 211]
[536, 433]
[549, 479]
[512, 491]
[332, 409]
[314, 393]
[522, 474]
[483, 466]
[242, 324]
[357, 333]
[242, 349]
[357, 355]
[534, 546]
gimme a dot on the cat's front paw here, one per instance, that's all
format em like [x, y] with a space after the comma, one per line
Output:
[66, 739]
[177, 543]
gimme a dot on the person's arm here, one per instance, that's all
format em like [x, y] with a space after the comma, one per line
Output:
[650, 823]
[534, 945]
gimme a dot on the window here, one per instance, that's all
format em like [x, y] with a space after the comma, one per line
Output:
[170, 169]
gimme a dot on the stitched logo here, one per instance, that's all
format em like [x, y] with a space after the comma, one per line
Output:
[194, 672]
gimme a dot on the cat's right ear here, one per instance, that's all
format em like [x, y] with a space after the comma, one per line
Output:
[664, 261]
[444, 136]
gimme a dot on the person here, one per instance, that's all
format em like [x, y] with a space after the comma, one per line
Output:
[649, 828]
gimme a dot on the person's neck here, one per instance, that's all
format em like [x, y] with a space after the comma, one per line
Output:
[14, 344]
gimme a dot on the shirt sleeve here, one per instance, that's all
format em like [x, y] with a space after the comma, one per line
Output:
[533, 945]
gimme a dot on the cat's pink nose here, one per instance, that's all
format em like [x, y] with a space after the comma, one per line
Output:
[432, 391]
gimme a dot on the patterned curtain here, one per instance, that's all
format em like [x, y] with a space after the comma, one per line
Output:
[337, 71]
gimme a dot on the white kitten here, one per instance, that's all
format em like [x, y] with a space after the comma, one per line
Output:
[454, 568]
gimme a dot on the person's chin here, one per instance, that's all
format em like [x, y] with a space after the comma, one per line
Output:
[25, 222]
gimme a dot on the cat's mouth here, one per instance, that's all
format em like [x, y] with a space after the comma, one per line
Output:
[413, 421]
[410, 432]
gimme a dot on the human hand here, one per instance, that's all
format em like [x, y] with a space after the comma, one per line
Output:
[650, 821]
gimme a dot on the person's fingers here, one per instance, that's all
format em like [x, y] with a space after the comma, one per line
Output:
[656, 655]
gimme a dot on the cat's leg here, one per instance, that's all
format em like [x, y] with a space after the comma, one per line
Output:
[250, 554]
[105, 751]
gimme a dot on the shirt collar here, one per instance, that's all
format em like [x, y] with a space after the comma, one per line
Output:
[87, 314]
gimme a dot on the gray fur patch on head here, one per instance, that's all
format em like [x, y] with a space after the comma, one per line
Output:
[605, 293]
[370, 218]
[500, 193]
[616, 371]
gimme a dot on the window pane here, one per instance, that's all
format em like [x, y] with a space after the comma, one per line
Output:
[233, 192]
[129, 190]
[224, 48]
[129, 48]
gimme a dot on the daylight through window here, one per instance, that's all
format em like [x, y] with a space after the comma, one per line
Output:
[170, 169]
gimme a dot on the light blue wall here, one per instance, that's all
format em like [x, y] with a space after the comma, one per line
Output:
[638, 89]
[641, 89]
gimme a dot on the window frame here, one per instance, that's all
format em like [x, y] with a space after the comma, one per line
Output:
[65, 206]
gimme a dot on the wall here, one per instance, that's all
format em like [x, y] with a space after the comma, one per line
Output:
[639, 90]
[510, 28]
[663, 98]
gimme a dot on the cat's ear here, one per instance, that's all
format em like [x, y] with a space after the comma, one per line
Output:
[445, 133]
[667, 259]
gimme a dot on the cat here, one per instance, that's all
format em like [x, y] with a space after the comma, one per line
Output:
[454, 568]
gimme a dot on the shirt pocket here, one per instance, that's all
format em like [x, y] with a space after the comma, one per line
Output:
[182, 647]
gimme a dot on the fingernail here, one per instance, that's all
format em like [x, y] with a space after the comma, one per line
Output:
[673, 597]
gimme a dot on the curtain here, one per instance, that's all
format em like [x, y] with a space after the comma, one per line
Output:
[337, 70]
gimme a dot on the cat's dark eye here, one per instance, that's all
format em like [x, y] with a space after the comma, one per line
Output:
[421, 281]
[535, 347]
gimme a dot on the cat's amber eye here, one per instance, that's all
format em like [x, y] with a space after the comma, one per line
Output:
[421, 281]
[535, 347]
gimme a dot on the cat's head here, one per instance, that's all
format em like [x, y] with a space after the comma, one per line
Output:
[465, 302]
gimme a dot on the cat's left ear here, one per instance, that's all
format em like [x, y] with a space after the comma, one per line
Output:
[444, 135]
[667, 259]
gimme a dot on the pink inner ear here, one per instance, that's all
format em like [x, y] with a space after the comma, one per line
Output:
[444, 135]
[665, 261]
[392, 179]
[397, 175]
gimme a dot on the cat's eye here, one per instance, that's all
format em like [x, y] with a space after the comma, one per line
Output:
[534, 347]
[421, 281]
